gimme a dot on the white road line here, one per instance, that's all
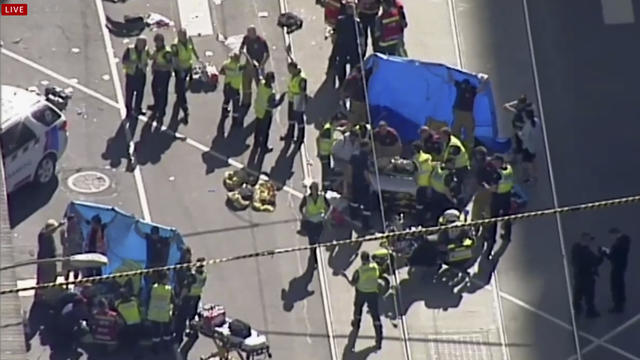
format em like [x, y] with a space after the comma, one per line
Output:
[617, 12]
[58, 77]
[115, 76]
[554, 192]
[495, 284]
[608, 336]
[553, 319]
[195, 17]
[114, 104]
[320, 254]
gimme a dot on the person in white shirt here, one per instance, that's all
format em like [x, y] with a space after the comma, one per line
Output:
[526, 133]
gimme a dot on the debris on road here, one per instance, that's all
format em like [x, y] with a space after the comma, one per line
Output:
[17, 40]
[290, 22]
[157, 21]
[172, 178]
[75, 50]
[125, 41]
[106, 77]
[233, 42]
[217, 2]
[44, 82]
[73, 80]
[208, 53]
[263, 14]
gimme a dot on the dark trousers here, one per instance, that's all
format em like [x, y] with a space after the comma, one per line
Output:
[371, 299]
[187, 311]
[325, 161]
[134, 93]
[351, 58]
[313, 230]
[360, 206]
[368, 22]
[263, 128]
[438, 205]
[296, 120]
[584, 290]
[161, 332]
[422, 204]
[182, 78]
[231, 95]
[500, 206]
[618, 291]
[160, 91]
[130, 336]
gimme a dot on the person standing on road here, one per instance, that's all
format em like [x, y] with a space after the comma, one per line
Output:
[129, 310]
[161, 66]
[463, 119]
[346, 49]
[134, 62]
[368, 11]
[390, 27]
[96, 242]
[190, 298]
[71, 240]
[365, 280]
[184, 55]
[618, 256]
[266, 102]
[424, 166]
[314, 208]
[256, 51]
[324, 144]
[500, 198]
[47, 272]
[159, 312]
[585, 264]
[232, 70]
[297, 94]
[360, 205]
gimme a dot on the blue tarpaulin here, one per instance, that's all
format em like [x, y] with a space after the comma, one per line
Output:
[408, 93]
[124, 233]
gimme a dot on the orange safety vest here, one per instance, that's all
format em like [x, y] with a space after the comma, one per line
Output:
[368, 6]
[332, 12]
[392, 28]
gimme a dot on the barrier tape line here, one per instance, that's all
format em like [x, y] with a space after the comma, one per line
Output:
[375, 237]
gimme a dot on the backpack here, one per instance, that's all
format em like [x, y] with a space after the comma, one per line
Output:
[239, 328]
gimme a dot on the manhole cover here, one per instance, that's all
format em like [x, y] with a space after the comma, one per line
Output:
[88, 182]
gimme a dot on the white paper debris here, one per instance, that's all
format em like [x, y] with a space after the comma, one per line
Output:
[44, 82]
[106, 77]
[233, 42]
[125, 41]
[69, 90]
[208, 53]
[221, 38]
[263, 14]
[75, 50]
[17, 40]
[171, 178]
[217, 2]
[156, 20]
[74, 80]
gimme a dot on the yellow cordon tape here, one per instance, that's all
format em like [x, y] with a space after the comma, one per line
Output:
[386, 236]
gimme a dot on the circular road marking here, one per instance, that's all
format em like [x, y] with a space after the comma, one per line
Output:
[88, 182]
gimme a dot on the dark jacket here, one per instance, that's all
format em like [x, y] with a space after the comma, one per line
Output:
[585, 261]
[619, 253]
[347, 29]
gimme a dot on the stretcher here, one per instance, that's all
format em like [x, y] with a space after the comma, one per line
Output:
[390, 182]
[254, 347]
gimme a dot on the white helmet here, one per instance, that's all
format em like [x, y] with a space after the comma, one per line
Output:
[449, 217]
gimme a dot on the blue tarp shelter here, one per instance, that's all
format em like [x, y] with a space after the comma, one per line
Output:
[407, 94]
[125, 234]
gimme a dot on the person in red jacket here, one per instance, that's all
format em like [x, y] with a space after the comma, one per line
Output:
[105, 325]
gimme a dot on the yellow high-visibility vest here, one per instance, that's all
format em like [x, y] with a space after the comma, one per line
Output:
[506, 180]
[233, 73]
[262, 100]
[129, 310]
[437, 179]
[196, 288]
[325, 144]
[425, 167]
[186, 54]
[295, 86]
[135, 61]
[159, 60]
[461, 160]
[368, 278]
[315, 210]
[160, 303]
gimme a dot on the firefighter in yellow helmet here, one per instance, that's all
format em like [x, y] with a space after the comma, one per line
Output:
[365, 280]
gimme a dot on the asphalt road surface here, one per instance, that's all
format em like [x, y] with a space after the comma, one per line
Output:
[586, 77]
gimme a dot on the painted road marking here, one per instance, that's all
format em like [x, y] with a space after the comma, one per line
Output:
[611, 334]
[195, 17]
[617, 12]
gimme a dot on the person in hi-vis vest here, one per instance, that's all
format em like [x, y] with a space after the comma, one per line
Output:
[365, 280]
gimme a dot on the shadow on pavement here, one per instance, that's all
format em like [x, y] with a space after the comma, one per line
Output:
[225, 147]
[256, 160]
[299, 286]
[27, 200]
[350, 354]
[342, 256]
[486, 268]
[117, 148]
[324, 103]
[154, 141]
[282, 169]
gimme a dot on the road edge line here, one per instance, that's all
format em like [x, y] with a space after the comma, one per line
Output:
[115, 76]
[554, 193]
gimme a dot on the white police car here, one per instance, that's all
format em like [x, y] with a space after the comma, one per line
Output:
[33, 134]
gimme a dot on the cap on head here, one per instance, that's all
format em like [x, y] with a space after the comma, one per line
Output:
[158, 37]
[96, 219]
[251, 30]
[270, 76]
[383, 124]
[445, 131]
[314, 186]
[155, 230]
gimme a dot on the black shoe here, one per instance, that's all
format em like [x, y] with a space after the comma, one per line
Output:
[378, 344]
[355, 324]
[267, 149]
[286, 138]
